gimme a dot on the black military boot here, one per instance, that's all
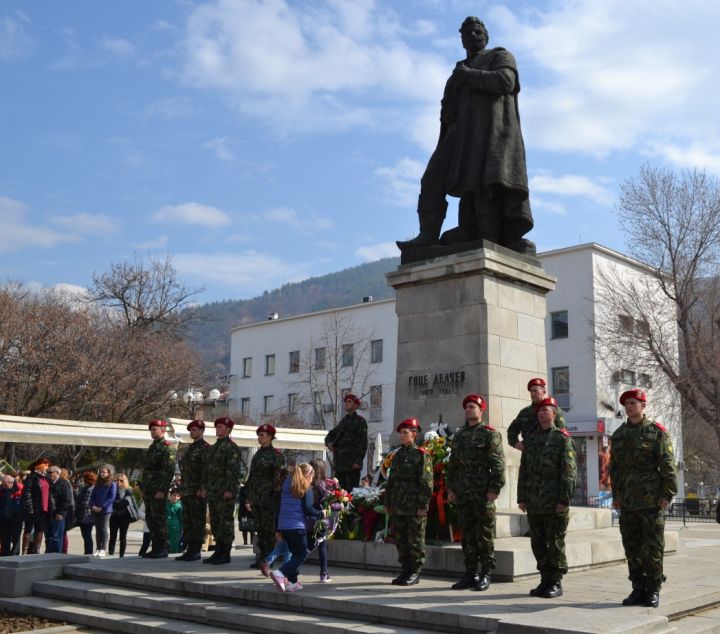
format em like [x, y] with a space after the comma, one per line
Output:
[193, 551]
[214, 556]
[470, 580]
[430, 225]
[411, 579]
[148, 548]
[536, 592]
[652, 599]
[553, 590]
[636, 597]
[159, 553]
[483, 582]
[404, 573]
[223, 556]
[184, 556]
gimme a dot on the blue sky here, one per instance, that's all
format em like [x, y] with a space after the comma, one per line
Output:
[264, 141]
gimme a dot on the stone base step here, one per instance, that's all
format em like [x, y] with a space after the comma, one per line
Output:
[706, 622]
[514, 559]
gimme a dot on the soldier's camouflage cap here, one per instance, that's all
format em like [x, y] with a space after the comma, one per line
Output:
[475, 398]
[637, 394]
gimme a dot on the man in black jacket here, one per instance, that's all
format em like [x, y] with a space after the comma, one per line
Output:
[62, 505]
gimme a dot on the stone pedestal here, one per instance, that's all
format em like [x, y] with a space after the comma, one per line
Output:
[470, 322]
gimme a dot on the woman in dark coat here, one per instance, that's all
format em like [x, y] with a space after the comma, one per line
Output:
[123, 509]
[84, 517]
[36, 506]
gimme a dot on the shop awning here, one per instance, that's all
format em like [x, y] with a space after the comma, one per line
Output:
[51, 431]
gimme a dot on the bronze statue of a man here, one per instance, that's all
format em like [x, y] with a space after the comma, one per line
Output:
[480, 156]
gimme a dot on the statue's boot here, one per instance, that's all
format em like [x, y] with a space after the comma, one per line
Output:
[466, 231]
[430, 225]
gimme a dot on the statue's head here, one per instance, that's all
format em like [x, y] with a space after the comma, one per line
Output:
[474, 34]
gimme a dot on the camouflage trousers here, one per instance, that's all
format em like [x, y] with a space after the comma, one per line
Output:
[156, 520]
[265, 528]
[348, 479]
[222, 522]
[193, 516]
[477, 523]
[409, 534]
[643, 537]
[547, 540]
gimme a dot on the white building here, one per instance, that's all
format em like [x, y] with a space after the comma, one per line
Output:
[295, 370]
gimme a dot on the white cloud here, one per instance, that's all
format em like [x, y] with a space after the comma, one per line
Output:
[219, 147]
[341, 65]
[402, 181]
[15, 41]
[549, 206]
[169, 108]
[291, 218]
[612, 75]
[690, 157]
[21, 232]
[243, 274]
[118, 46]
[377, 251]
[148, 245]
[571, 185]
[193, 214]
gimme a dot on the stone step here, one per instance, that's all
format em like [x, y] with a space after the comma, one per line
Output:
[514, 559]
[705, 622]
[266, 612]
[108, 620]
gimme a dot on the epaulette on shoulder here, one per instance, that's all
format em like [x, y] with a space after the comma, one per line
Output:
[277, 450]
[167, 443]
[423, 450]
[563, 431]
[660, 426]
[489, 427]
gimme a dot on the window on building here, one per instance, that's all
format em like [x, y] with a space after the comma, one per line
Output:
[269, 364]
[294, 362]
[347, 355]
[376, 351]
[267, 404]
[292, 403]
[247, 367]
[561, 386]
[375, 413]
[626, 323]
[320, 356]
[559, 321]
[245, 405]
[626, 376]
[644, 380]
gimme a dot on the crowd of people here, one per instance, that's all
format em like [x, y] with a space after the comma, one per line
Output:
[283, 504]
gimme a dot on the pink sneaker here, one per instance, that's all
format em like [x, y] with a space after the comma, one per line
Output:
[293, 587]
[278, 578]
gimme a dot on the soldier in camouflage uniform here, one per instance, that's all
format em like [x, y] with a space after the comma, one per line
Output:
[193, 464]
[158, 473]
[260, 494]
[642, 473]
[526, 420]
[407, 497]
[222, 483]
[475, 475]
[546, 485]
[348, 443]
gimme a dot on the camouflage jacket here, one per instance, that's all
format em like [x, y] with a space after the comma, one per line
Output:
[193, 465]
[349, 439]
[264, 468]
[642, 465]
[477, 463]
[525, 422]
[159, 467]
[410, 481]
[548, 471]
[223, 468]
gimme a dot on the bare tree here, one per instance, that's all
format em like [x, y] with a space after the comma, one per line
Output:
[333, 363]
[672, 224]
[146, 295]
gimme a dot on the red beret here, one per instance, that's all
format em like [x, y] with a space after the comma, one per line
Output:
[637, 394]
[546, 401]
[536, 381]
[224, 420]
[267, 428]
[352, 397]
[157, 423]
[409, 423]
[475, 398]
[200, 424]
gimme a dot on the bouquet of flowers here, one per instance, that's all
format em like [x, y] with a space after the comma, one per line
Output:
[336, 504]
[368, 503]
[441, 513]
